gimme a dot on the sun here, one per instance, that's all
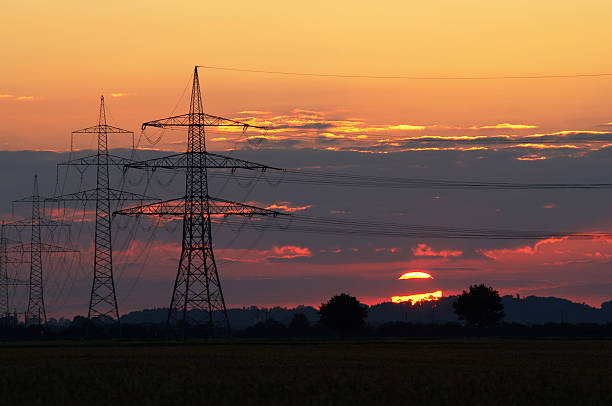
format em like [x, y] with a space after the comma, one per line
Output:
[416, 275]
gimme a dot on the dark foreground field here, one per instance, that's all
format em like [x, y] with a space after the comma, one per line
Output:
[362, 373]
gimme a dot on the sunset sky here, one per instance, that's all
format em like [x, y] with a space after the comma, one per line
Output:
[59, 57]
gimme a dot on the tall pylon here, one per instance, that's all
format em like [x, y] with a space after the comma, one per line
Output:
[103, 297]
[36, 313]
[36, 302]
[6, 317]
[197, 285]
[4, 276]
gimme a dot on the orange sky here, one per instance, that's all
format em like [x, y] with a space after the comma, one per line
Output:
[63, 55]
[58, 57]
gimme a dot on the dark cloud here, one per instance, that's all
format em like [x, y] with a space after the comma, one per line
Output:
[357, 266]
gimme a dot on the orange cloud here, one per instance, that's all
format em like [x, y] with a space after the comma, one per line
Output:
[505, 126]
[276, 252]
[555, 251]
[532, 157]
[284, 206]
[392, 250]
[423, 250]
[420, 297]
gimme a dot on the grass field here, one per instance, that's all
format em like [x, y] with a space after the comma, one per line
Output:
[330, 373]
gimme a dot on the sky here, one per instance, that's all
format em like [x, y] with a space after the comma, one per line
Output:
[59, 58]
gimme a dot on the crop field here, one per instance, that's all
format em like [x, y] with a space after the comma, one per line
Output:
[308, 373]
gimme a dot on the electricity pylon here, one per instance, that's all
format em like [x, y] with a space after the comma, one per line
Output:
[197, 285]
[36, 313]
[103, 298]
[5, 280]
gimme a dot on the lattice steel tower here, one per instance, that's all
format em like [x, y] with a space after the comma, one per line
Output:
[36, 313]
[197, 285]
[103, 298]
[36, 302]
[4, 276]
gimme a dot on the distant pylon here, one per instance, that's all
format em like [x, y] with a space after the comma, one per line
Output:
[36, 313]
[4, 277]
[197, 285]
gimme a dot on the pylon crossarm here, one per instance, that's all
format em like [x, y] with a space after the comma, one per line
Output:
[10, 260]
[227, 207]
[15, 282]
[105, 128]
[213, 161]
[44, 247]
[28, 199]
[91, 195]
[92, 160]
[202, 120]
[42, 223]
[177, 207]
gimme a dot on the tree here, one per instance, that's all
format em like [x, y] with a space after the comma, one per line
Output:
[343, 313]
[299, 322]
[480, 307]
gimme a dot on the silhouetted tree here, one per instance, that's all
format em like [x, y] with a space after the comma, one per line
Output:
[481, 306]
[343, 313]
[299, 322]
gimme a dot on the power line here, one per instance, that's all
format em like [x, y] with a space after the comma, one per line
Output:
[296, 176]
[405, 77]
[338, 226]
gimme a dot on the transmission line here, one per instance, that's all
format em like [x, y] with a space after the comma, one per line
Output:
[405, 77]
[336, 226]
[297, 176]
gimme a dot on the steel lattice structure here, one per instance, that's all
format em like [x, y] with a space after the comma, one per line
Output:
[103, 298]
[197, 285]
[5, 280]
[36, 313]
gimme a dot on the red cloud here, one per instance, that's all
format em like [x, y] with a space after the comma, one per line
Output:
[250, 255]
[555, 251]
[285, 206]
[423, 250]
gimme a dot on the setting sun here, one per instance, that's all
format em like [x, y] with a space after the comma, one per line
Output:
[416, 275]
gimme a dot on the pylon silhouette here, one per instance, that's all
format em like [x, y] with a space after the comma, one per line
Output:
[197, 285]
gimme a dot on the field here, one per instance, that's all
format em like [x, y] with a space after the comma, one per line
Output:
[309, 373]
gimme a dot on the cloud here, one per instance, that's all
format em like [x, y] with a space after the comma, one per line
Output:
[254, 112]
[285, 206]
[285, 252]
[555, 252]
[121, 94]
[508, 266]
[18, 98]
[504, 126]
[423, 250]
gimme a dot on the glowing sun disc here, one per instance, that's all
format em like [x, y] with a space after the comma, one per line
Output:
[416, 275]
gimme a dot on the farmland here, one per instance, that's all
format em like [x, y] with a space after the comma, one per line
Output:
[290, 372]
